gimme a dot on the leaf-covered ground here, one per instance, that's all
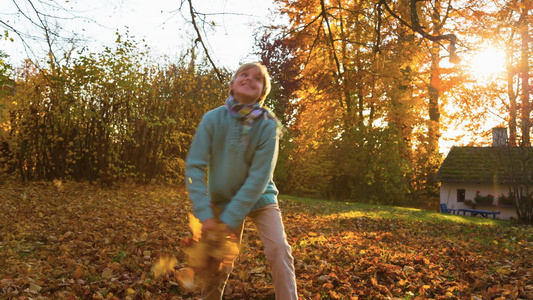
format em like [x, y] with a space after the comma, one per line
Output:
[78, 241]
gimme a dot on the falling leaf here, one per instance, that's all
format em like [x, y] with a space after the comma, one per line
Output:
[185, 277]
[164, 265]
[58, 184]
[207, 254]
[195, 226]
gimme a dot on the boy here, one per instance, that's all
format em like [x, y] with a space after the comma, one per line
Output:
[238, 144]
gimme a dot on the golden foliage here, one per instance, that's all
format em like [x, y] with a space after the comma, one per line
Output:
[105, 116]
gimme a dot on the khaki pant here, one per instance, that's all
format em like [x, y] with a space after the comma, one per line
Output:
[277, 251]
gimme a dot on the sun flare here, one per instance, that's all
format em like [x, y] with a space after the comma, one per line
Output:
[488, 62]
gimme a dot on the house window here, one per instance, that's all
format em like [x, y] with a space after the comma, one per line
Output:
[460, 195]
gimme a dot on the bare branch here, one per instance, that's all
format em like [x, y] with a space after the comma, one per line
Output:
[315, 41]
[416, 27]
[199, 39]
[331, 40]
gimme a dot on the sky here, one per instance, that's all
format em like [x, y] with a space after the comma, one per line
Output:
[158, 22]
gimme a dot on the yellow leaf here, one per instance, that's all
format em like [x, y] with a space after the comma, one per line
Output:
[196, 227]
[320, 239]
[164, 265]
[232, 250]
[504, 271]
[197, 255]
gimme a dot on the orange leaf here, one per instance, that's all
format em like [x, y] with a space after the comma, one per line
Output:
[374, 281]
[334, 295]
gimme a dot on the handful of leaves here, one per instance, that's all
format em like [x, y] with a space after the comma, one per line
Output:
[207, 254]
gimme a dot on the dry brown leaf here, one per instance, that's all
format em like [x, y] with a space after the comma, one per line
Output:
[78, 272]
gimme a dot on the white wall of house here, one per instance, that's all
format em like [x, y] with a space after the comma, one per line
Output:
[448, 195]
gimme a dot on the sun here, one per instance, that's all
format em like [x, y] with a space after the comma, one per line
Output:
[487, 62]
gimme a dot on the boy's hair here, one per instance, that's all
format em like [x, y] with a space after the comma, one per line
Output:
[264, 74]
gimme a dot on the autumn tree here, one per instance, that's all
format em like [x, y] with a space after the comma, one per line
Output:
[513, 25]
[382, 63]
[278, 55]
[342, 105]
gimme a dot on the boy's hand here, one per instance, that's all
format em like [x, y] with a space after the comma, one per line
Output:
[213, 225]
[209, 225]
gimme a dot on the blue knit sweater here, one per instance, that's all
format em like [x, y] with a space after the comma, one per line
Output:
[239, 172]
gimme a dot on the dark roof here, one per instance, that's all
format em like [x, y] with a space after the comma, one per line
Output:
[487, 165]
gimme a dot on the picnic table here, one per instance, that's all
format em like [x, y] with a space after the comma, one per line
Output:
[475, 212]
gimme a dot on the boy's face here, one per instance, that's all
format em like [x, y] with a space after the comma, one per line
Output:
[247, 86]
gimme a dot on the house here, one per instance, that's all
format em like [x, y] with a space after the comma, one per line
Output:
[485, 171]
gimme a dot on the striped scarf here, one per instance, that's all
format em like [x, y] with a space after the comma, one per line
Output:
[248, 112]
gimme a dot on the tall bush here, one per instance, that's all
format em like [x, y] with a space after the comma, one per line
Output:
[106, 116]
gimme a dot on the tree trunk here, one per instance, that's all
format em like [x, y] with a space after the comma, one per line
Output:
[512, 98]
[524, 74]
[434, 91]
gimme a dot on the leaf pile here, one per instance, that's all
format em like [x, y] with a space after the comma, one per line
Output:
[83, 242]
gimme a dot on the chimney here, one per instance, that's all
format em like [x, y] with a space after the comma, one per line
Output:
[499, 137]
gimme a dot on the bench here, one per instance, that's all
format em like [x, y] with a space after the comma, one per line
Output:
[475, 212]
[446, 210]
